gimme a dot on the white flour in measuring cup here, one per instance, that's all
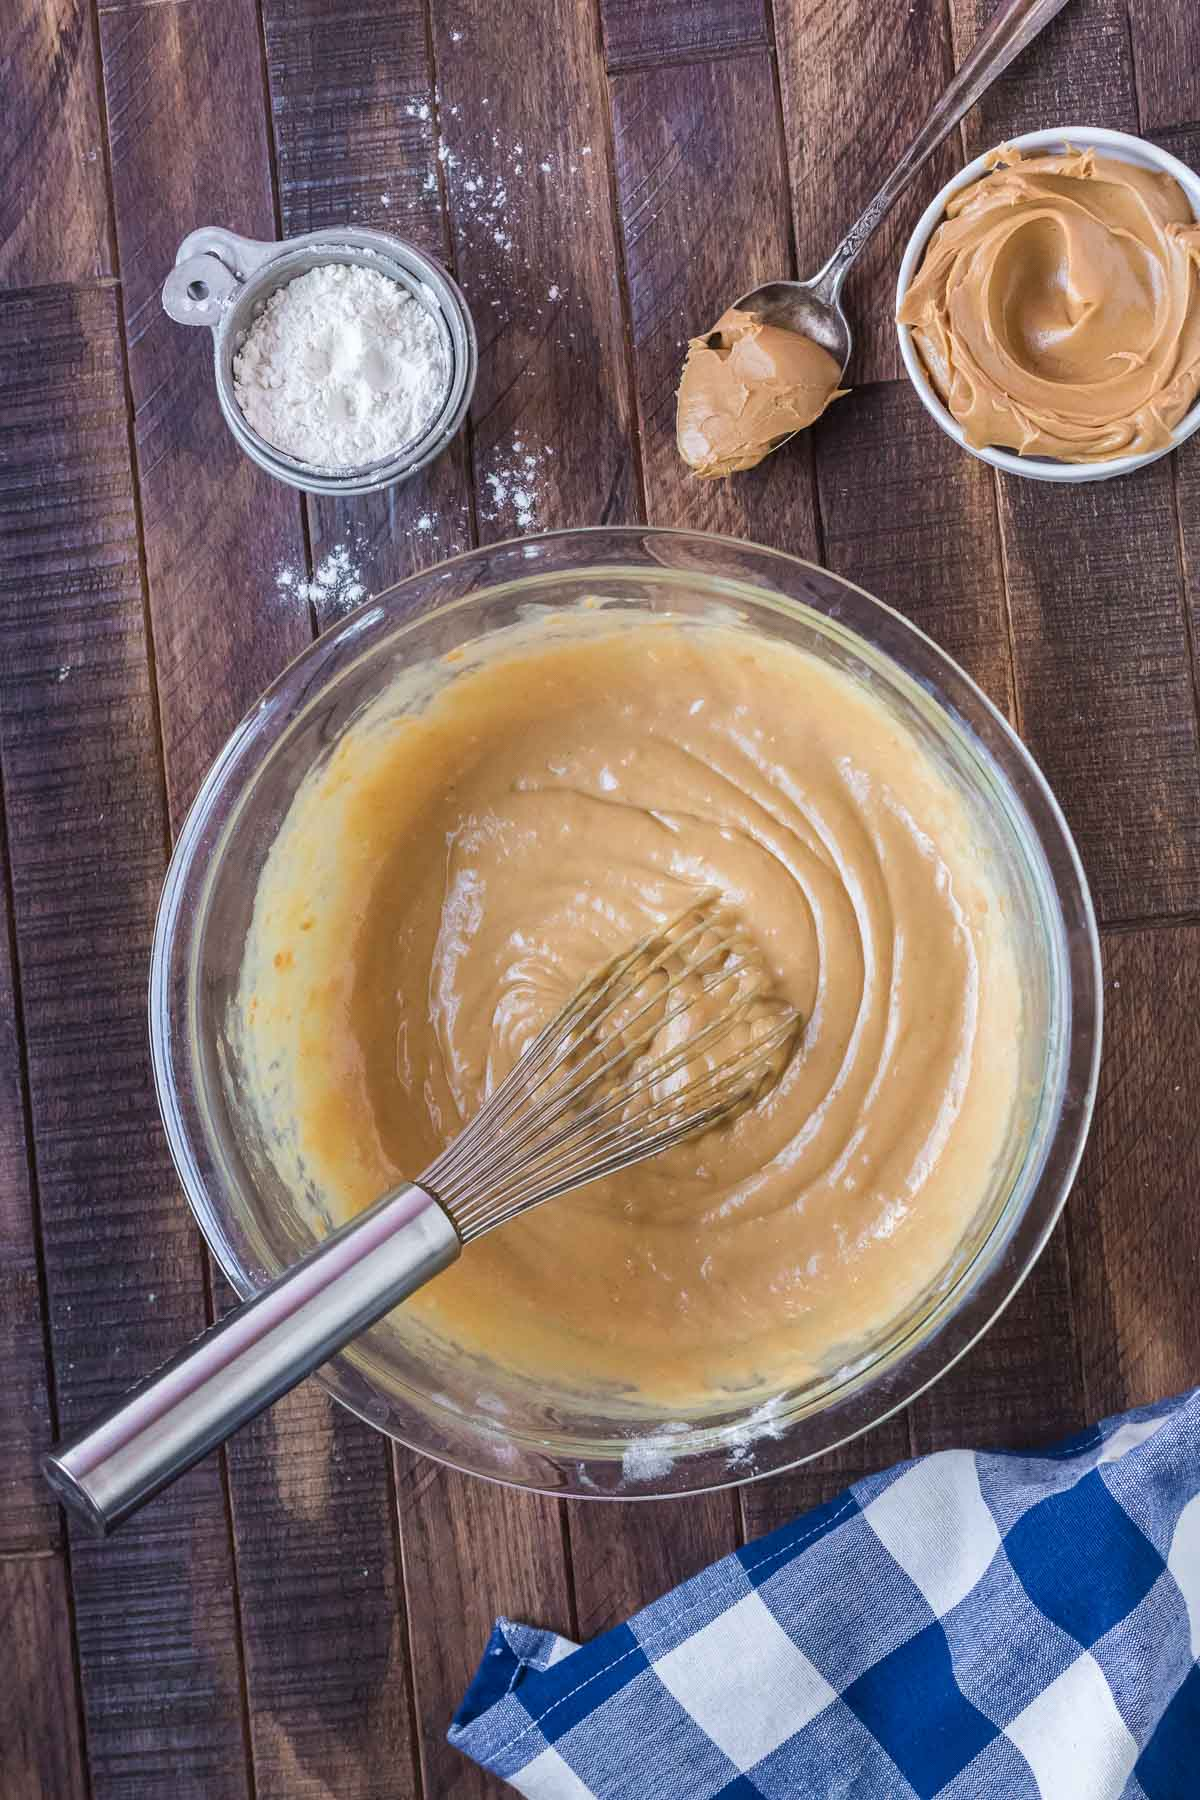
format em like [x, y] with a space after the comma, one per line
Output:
[341, 368]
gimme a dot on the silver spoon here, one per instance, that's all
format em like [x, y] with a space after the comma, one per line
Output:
[813, 308]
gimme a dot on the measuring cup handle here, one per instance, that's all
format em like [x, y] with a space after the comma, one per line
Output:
[210, 265]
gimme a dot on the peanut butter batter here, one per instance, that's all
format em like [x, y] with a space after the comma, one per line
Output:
[746, 387]
[476, 844]
[1057, 307]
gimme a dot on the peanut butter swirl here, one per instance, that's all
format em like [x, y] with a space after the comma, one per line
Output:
[472, 849]
[1057, 309]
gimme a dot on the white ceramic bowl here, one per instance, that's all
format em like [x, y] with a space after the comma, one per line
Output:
[1124, 148]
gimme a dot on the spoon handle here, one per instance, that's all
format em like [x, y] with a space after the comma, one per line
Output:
[1013, 25]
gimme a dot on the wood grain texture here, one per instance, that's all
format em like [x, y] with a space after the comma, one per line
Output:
[623, 1556]
[1077, 72]
[41, 1753]
[391, 535]
[1186, 461]
[311, 1491]
[1187, 500]
[29, 1517]
[1166, 58]
[86, 831]
[768, 1504]
[525, 159]
[353, 112]
[691, 246]
[1135, 1249]
[857, 80]
[534, 244]
[1104, 681]
[913, 520]
[215, 528]
[472, 1551]
[655, 31]
[322, 1605]
[54, 224]
[1022, 1384]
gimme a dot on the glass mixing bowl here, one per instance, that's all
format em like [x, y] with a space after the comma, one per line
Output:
[476, 1416]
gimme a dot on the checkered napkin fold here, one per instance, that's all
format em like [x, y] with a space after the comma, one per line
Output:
[968, 1625]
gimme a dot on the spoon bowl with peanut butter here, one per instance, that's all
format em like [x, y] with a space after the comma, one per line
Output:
[775, 359]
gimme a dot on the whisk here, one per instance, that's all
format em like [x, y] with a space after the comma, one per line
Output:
[667, 1040]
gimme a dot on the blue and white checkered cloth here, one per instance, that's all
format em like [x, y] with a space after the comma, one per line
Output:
[972, 1626]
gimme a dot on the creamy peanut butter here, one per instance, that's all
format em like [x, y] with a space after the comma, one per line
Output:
[469, 851]
[1057, 309]
[747, 386]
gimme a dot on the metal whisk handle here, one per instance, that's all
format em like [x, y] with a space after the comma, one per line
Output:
[253, 1356]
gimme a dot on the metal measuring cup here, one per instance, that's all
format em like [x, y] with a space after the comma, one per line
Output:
[223, 281]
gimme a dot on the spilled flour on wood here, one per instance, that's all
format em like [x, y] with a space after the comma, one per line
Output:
[513, 483]
[335, 587]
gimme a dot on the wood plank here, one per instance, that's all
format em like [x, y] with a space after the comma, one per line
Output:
[652, 31]
[1077, 72]
[353, 114]
[691, 246]
[1104, 682]
[53, 202]
[913, 520]
[1135, 1244]
[623, 1556]
[782, 1498]
[685, 257]
[1186, 461]
[857, 80]
[1166, 56]
[41, 1754]
[87, 846]
[391, 535]
[323, 1641]
[535, 244]
[154, 1608]
[905, 513]
[472, 1551]
[216, 528]
[1022, 1384]
[29, 1518]
[322, 1605]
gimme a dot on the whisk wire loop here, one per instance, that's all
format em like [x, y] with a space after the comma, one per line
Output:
[558, 1164]
[587, 1010]
[566, 1097]
[617, 1075]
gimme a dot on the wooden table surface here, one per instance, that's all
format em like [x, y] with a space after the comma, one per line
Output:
[299, 1617]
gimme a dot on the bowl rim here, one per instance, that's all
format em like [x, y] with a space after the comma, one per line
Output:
[911, 1371]
[1125, 147]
